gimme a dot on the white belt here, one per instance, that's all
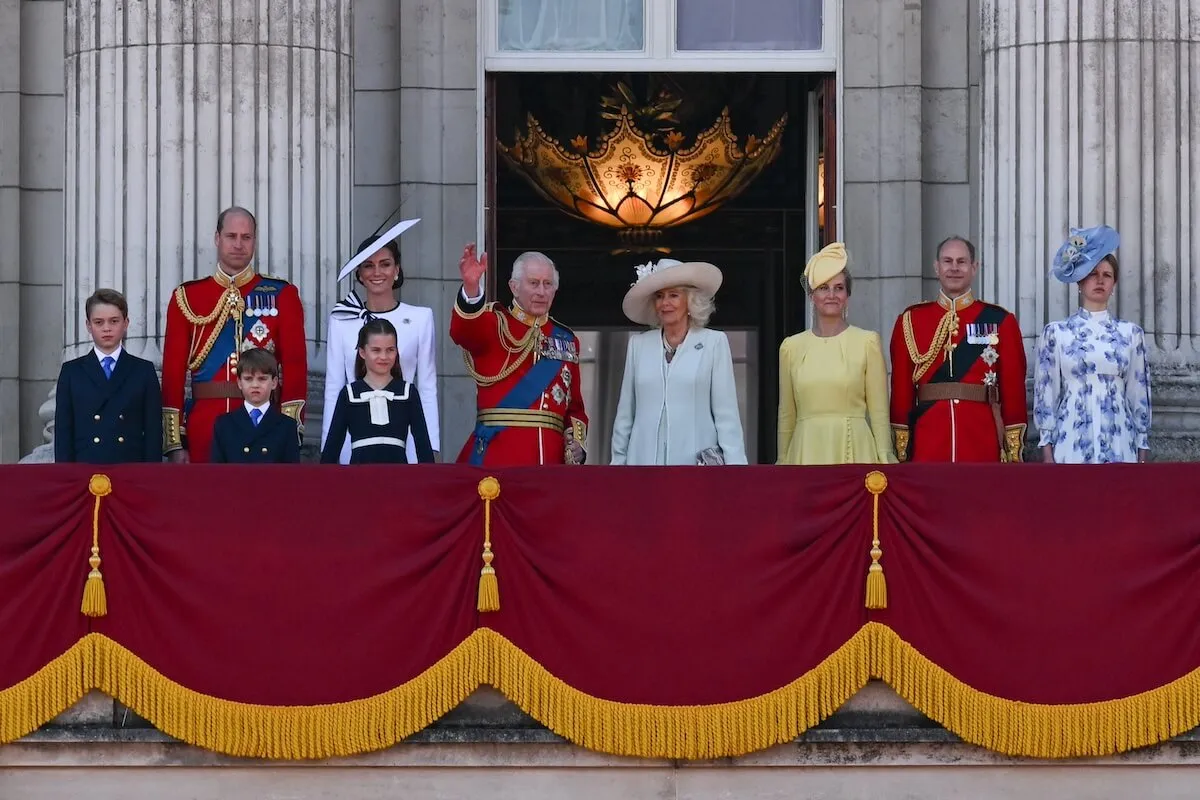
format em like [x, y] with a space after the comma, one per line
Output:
[373, 440]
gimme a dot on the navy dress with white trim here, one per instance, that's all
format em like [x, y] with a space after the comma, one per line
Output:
[378, 421]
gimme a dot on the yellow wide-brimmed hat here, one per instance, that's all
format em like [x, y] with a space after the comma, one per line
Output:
[638, 304]
[825, 264]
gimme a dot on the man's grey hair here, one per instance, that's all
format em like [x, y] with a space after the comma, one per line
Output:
[528, 259]
[700, 307]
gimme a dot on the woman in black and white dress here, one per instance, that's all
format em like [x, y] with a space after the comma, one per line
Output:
[377, 271]
[379, 411]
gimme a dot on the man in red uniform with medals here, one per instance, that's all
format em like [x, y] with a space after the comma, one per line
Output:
[525, 366]
[958, 372]
[210, 322]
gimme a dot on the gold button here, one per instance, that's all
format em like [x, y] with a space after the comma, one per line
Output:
[96, 440]
[97, 418]
[955, 401]
[245, 449]
[121, 440]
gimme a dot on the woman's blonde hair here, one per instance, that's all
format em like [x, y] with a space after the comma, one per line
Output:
[700, 307]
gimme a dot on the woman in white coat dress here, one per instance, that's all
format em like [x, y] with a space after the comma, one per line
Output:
[678, 402]
[377, 271]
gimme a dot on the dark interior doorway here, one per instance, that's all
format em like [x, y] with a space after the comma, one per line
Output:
[760, 240]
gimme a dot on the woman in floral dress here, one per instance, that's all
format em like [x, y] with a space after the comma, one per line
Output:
[1091, 382]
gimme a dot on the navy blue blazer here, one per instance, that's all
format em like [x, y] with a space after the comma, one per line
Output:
[99, 420]
[236, 440]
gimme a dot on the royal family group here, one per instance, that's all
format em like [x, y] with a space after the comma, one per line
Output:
[234, 370]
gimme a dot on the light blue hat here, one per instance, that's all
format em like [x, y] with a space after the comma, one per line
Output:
[1082, 251]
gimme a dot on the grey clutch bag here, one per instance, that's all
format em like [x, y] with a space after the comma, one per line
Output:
[710, 457]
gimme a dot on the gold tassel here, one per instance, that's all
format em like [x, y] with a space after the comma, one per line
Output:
[876, 583]
[95, 604]
[489, 586]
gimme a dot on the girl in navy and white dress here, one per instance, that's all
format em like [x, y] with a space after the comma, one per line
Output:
[380, 409]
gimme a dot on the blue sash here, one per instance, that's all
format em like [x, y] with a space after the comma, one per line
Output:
[522, 395]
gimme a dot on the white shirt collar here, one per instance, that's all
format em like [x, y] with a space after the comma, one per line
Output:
[115, 355]
[250, 407]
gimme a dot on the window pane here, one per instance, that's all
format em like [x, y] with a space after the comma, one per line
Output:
[748, 24]
[571, 25]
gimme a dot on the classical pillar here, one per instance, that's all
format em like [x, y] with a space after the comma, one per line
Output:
[179, 108]
[1087, 119]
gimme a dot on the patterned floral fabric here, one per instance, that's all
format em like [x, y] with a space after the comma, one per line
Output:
[1092, 389]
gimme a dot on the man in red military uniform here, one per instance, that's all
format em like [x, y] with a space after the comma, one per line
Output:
[958, 372]
[525, 366]
[210, 322]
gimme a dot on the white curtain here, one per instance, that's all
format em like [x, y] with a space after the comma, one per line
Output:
[749, 24]
[571, 25]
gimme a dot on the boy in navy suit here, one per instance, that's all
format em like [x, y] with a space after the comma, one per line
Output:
[108, 408]
[256, 433]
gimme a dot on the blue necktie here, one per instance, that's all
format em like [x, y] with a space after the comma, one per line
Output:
[255, 416]
[108, 362]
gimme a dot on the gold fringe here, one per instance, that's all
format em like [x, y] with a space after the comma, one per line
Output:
[489, 584]
[1033, 729]
[642, 730]
[288, 732]
[95, 603]
[876, 583]
[691, 732]
[26, 706]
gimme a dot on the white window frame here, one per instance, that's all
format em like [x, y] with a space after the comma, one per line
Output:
[659, 52]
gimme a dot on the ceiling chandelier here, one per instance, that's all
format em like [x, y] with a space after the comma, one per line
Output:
[639, 178]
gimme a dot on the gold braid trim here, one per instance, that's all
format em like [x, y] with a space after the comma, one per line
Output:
[231, 304]
[527, 345]
[633, 729]
[941, 335]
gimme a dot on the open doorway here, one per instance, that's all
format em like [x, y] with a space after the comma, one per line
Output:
[761, 239]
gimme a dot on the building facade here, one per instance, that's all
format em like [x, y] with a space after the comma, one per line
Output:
[125, 125]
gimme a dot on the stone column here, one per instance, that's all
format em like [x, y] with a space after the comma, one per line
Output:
[1087, 119]
[179, 108]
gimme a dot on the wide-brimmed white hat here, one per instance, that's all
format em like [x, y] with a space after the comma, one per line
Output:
[638, 304]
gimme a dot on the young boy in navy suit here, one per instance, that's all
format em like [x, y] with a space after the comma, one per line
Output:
[256, 433]
[108, 407]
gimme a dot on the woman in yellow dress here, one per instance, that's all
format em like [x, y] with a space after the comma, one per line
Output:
[833, 384]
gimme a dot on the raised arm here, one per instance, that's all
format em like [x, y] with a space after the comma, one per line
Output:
[472, 325]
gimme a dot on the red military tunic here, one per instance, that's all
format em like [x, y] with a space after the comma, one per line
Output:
[209, 322]
[958, 382]
[526, 373]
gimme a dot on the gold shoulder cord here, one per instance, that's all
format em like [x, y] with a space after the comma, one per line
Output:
[522, 348]
[231, 304]
[923, 361]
